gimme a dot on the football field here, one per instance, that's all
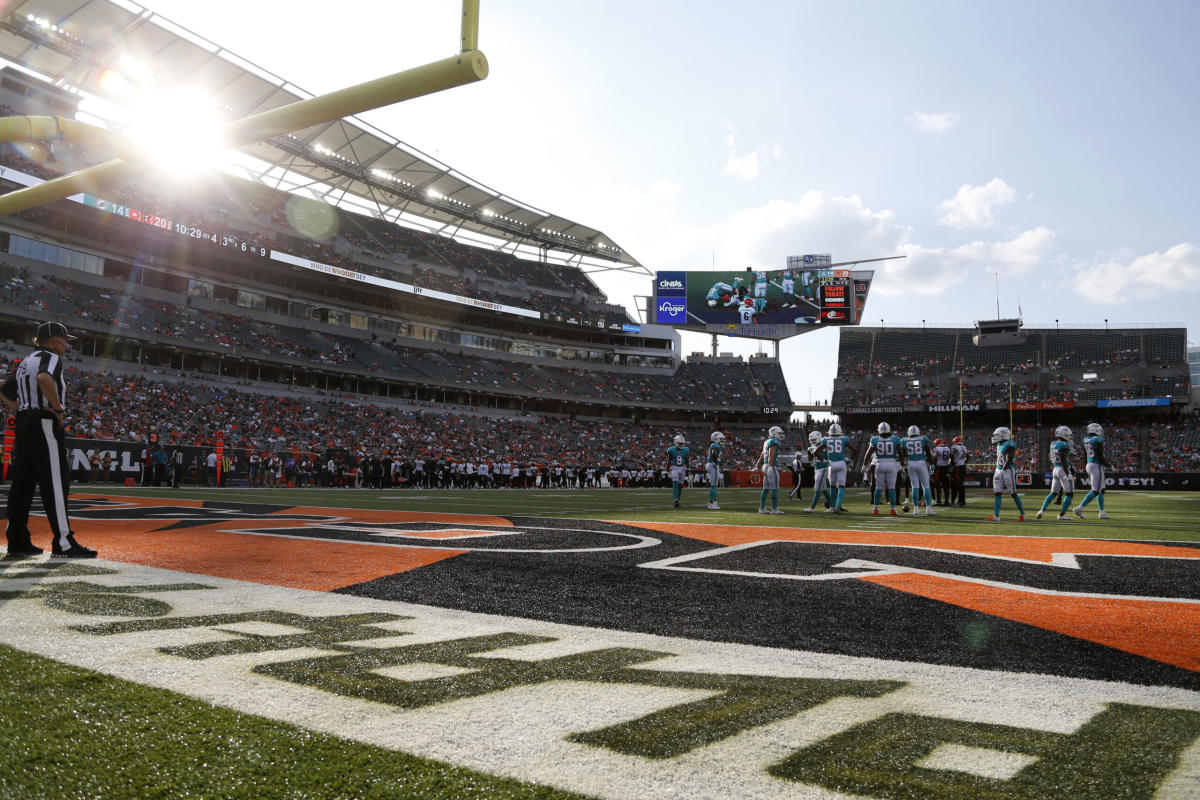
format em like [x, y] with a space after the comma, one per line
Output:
[601, 643]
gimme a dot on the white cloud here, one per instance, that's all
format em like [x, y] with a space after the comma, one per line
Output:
[975, 206]
[1123, 277]
[939, 122]
[747, 166]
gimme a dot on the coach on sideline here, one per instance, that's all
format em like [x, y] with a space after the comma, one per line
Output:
[37, 393]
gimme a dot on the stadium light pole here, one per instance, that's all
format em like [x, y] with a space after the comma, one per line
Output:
[468, 66]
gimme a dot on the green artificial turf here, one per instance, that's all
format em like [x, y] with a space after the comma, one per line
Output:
[71, 733]
[1165, 516]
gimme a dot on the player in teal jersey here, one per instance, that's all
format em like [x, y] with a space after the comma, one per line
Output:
[713, 467]
[916, 449]
[888, 450]
[837, 449]
[1093, 447]
[1063, 478]
[677, 466]
[768, 462]
[820, 463]
[1004, 479]
[721, 294]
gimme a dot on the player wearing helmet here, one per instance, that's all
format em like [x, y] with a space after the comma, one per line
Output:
[768, 463]
[820, 462]
[887, 450]
[677, 466]
[941, 472]
[713, 467]
[958, 472]
[916, 447]
[721, 294]
[746, 312]
[1004, 479]
[1063, 478]
[837, 449]
[1093, 447]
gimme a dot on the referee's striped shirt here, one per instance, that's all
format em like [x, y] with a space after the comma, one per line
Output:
[29, 394]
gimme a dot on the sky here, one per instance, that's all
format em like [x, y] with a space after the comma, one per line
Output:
[1053, 144]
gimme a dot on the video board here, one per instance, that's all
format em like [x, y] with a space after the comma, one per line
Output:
[769, 304]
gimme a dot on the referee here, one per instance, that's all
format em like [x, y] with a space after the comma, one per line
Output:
[37, 392]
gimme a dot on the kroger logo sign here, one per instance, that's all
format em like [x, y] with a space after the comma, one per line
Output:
[671, 312]
[671, 284]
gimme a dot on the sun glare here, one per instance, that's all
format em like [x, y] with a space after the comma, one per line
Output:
[178, 131]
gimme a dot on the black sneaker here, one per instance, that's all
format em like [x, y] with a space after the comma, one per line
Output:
[23, 551]
[76, 550]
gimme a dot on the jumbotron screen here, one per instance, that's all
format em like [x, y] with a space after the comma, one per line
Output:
[771, 304]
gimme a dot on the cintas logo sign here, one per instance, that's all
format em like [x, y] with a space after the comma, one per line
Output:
[671, 284]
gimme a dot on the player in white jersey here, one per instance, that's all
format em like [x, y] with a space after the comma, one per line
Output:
[916, 449]
[768, 462]
[787, 285]
[888, 450]
[746, 312]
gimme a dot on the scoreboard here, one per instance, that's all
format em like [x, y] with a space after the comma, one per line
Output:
[767, 304]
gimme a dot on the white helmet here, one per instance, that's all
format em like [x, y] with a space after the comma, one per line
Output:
[717, 437]
[680, 441]
[884, 429]
[913, 430]
[1063, 432]
[815, 437]
[775, 432]
[835, 430]
[1001, 434]
[1094, 429]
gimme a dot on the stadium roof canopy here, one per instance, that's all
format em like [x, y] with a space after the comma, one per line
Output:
[349, 162]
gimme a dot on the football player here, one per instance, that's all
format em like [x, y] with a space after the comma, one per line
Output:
[760, 288]
[1005, 477]
[837, 448]
[1063, 478]
[721, 294]
[958, 472]
[887, 450]
[746, 312]
[787, 285]
[941, 472]
[768, 463]
[1093, 447]
[916, 446]
[820, 462]
[713, 467]
[677, 466]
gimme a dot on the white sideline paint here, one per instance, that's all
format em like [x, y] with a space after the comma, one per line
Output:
[521, 733]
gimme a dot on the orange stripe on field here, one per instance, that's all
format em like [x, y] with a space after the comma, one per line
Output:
[1163, 631]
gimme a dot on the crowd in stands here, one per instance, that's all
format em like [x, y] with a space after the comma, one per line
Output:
[276, 220]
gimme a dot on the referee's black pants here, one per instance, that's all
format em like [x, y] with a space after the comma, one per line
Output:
[39, 461]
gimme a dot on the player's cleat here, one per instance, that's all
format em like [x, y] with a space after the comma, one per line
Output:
[1078, 511]
[993, 518]
[1064, 518]
[875, 511]
[929, 512]
[763, 511]
[906, 506]
[775, 511]
[1103, 515]
[1020, 518]
[832, 510]
[892, 511]
[677, 504]
[807, 510]
[1039, 513]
